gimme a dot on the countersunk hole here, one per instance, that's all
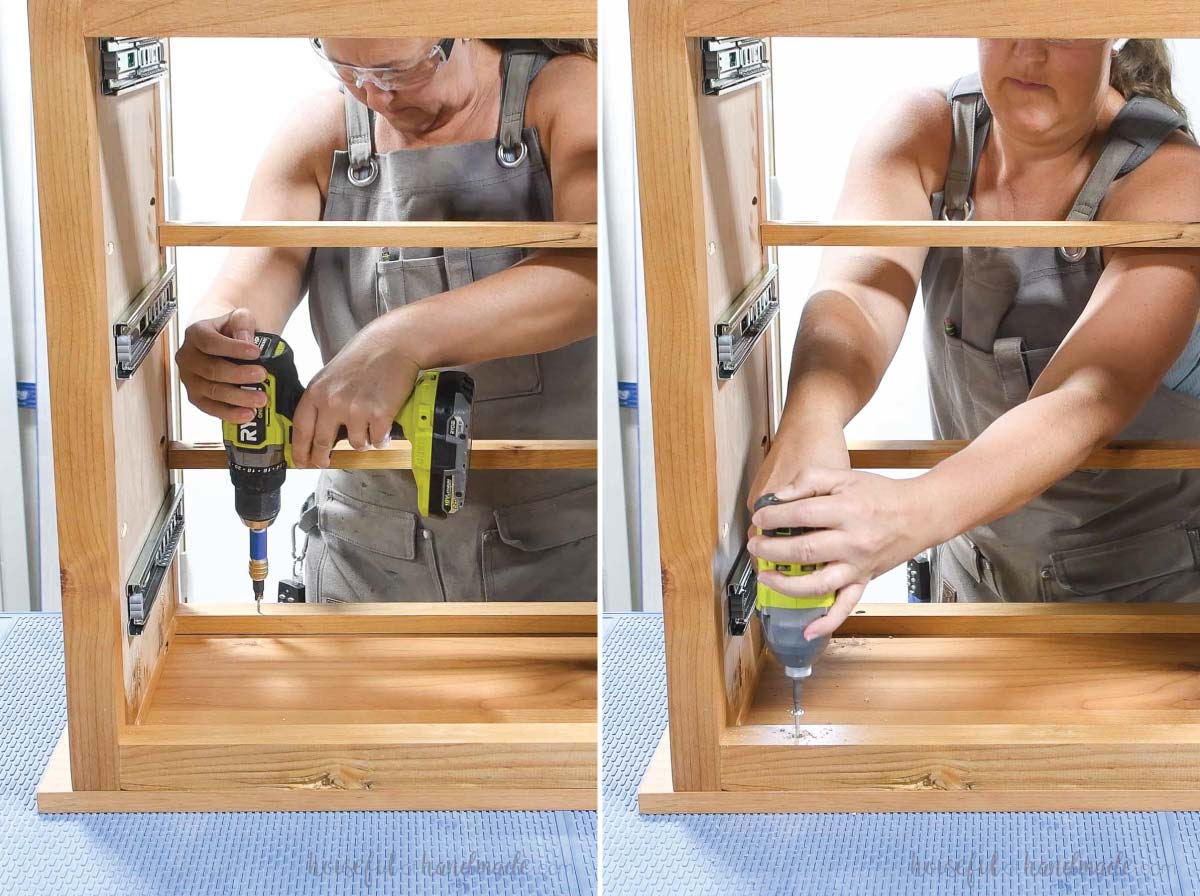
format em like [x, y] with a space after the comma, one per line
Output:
[152, 200]
[754, 200]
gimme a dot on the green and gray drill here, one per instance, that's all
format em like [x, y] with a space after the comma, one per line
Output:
[436, 420]
[784, 618]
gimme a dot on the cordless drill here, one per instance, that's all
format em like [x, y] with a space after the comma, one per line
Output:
[784, 618]
[436, 420]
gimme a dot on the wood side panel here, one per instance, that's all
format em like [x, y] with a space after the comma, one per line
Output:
[80, 361]
[344, 18]
[681, 373]
[943, 18]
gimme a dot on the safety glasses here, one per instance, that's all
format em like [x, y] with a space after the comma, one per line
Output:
[387, 78]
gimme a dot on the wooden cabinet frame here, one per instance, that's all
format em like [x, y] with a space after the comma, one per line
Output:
[419, 705]
[939, 707]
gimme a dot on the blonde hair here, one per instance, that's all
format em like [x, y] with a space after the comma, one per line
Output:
[557, 47]
[1143, 68]
[565, 47]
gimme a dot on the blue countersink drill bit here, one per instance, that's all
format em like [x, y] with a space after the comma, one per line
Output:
[258, 563]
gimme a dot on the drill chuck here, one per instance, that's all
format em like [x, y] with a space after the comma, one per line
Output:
[784, 633]
[254, 506]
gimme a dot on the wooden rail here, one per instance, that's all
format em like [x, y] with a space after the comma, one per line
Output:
[1125, 455]
[345, 18]
[456, 617]
[486, 454]
[1002, 620]
[980, 233]
[941, 18]
[419, 234]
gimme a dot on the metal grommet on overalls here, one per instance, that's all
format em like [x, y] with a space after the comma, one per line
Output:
[364, 180]
[1073, 253]
[968, 211]
[507, 161]
[1045, 572]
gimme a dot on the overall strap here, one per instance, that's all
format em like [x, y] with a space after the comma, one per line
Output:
[522, 60]
[360, 141]
[1137, 130]
[972, 118]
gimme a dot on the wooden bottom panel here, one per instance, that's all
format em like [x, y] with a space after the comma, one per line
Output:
[462, 758]
[656, 796]
[370, 721]
[375, 679]
[56, 795]
[1102, 721]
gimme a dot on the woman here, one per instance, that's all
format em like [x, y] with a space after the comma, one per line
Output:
[411, 134]
[1036, 355]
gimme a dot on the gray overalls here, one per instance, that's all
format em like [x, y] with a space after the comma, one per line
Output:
[993, 319]
[523, 534]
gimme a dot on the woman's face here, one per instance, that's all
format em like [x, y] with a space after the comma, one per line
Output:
[1064, 89]
[406, 76]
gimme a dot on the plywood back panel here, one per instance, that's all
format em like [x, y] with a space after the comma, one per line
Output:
[129, 128]
[731, 133]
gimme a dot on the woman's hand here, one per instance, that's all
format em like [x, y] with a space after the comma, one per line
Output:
[214, 384]
[866, 525]
[807, 444]
[362, 389]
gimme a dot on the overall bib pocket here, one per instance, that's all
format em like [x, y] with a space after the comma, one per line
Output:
[405, 281]
[542, 550]
[1161, 564]
[373, 553]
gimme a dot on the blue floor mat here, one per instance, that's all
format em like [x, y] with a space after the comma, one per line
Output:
[250, 853]
[1086, 853]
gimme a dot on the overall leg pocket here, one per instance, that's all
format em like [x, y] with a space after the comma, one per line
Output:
[544, 550]
[368, 552]
[408, 280]
[957, 577]
[1161, 564]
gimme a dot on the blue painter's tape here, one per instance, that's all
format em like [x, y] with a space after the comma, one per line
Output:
[627, 394]
[26, 394]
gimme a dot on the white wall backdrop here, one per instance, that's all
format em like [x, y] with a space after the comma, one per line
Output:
[28, 524]
[228, 98]
[627, 479]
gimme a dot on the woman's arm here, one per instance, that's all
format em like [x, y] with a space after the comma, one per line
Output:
[1135, 325]
[547, 300]
[860, 302]
[543, 302]
[259, 288]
